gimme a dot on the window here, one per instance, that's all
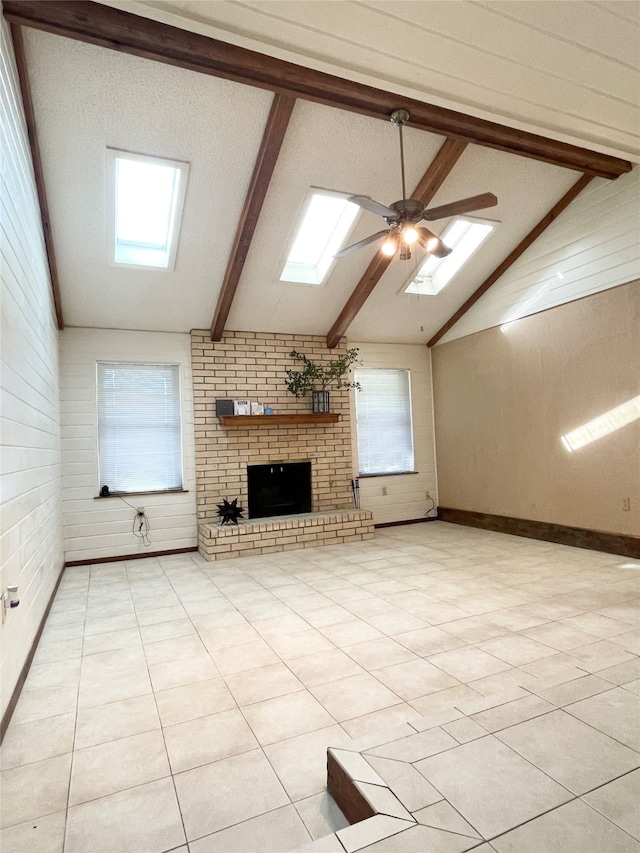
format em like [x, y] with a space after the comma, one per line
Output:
[383, 420]
[146, 196]
[139, 427]
[463, 236]
[326, 221]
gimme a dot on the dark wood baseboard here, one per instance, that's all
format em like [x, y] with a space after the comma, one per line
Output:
[578, 537]
[17, 690]
[408, 521]
[130, 557]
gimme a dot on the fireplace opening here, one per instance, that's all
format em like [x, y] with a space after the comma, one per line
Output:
[279, 489]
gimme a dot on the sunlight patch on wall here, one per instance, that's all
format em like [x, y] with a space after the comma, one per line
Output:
[523, 309]
[603, 425]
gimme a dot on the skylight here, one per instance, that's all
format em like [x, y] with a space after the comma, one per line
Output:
[326, 221]
[146, 204]
[462, 235]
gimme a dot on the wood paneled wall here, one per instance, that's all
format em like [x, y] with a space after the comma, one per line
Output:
[31, 532]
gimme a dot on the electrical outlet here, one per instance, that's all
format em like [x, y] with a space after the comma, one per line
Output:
[140, 510]
[626, 504]
[384, 491]
[427, 496]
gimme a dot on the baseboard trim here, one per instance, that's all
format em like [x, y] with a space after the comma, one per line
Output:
[17, 690]
[578, 537]
[122, 557]
[407, 521]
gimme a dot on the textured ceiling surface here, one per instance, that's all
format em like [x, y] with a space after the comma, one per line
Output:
[87, 98]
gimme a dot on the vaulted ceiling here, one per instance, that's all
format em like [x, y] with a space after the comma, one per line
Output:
[253, 155]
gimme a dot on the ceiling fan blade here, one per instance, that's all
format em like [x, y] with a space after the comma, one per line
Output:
[433, 244]
[371, 205]
[359, 245]
[463, 205]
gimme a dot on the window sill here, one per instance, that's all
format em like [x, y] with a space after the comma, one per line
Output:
[132, 494]
[387, 474]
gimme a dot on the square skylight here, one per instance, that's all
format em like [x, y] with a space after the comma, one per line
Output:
[326, 221]
[463, 236]
[146, 197]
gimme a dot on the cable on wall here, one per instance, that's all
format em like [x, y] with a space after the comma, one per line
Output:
[141, 527]
[432, 511]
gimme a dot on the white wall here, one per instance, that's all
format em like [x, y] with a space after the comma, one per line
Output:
[402, 497]
[31, 521]
[102, 528]
[591, 247]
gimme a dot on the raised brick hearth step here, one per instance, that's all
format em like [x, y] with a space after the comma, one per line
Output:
[283, 533]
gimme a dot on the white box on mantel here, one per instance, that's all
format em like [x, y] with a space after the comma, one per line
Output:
[257, 408]
[241, 407]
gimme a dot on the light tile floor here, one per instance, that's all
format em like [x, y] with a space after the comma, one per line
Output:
[176, 702]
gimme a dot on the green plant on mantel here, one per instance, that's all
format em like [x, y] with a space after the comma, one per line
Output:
[316, 376]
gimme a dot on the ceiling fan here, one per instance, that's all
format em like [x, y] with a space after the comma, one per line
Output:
[403, 216]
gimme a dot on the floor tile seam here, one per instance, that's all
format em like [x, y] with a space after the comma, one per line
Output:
[518, 723]
[166, 775]
[457, 811]
[515, 752]
[366, 672]
[38, 817]
[465, 648]
[253, 817]
[244, 716]
[4, 768]
[607, 817]
[577, 797]
[164, 741]
[609, 782]
[446, 749]
[519, 632]
[541, 770]
[594, 727]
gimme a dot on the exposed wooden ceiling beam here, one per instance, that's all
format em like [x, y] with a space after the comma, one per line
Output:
[129, 33]
[25, 89]
[429, 184]
[276, 127]
[544, 223]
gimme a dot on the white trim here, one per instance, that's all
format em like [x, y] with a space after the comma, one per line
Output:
[299, 272]
[167, 256]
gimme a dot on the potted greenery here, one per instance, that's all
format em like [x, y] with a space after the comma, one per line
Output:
[317, 378]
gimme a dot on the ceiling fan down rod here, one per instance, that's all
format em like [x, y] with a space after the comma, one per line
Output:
[400, 118]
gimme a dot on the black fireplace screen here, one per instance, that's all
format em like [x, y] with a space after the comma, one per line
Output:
[279, 489]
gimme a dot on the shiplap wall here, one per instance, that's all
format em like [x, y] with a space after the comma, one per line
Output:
[31, 520]
[401, 497]
[103, 528]
[592, 246]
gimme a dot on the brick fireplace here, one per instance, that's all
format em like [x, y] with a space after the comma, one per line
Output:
[252, 366]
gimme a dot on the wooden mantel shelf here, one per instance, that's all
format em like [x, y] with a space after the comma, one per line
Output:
[279, 420]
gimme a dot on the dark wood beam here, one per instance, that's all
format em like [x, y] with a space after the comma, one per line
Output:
[544, 223]
[429, 184]
[266, 160]
[124, 31]
[25, 89]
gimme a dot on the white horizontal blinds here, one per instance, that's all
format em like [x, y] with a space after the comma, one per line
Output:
[139, 429]
[383, 414]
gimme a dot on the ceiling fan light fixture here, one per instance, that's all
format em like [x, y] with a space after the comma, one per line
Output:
[390, 246]
[409, 234]
[405, 251]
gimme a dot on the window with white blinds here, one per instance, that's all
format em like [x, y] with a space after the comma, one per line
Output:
[383, 419]
[139, 427]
